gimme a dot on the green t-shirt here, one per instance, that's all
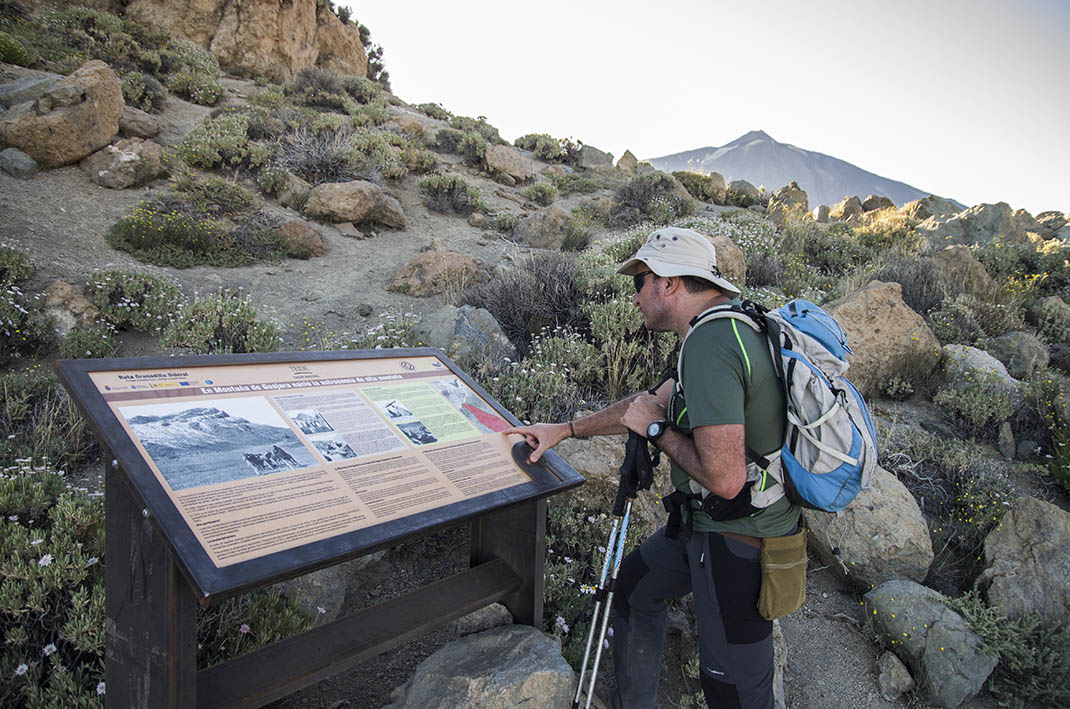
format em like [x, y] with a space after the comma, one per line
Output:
[728, 378]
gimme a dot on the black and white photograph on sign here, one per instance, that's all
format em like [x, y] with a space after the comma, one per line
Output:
[417, 433]
[311, 422]
[474, 409]
[394, 409]
[333, 448]
[204, 443]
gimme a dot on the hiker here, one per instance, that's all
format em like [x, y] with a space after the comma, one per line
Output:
[731, 400]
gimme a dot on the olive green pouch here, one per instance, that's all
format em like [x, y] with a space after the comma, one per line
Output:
[783, 575]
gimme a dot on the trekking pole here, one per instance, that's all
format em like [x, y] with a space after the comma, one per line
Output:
[599, 593]
[617, 557]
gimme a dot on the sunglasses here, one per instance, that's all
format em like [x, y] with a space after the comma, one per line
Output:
[640, 278]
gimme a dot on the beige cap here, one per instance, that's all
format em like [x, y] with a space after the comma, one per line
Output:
[672, 251]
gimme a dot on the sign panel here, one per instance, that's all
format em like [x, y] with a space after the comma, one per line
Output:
[248, 458]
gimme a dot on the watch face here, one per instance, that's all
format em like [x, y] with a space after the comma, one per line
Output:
[655, 429]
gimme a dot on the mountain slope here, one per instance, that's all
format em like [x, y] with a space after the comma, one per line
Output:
[761, 160]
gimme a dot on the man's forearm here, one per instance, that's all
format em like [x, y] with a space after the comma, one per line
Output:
[604, 422]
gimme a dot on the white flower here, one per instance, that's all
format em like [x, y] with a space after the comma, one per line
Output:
[35, 542]
[45, 560]
[321, 609]
[100, 688]
[244, 629]
[91, 560]
[13, 518]
[21, 669]
[49, 649]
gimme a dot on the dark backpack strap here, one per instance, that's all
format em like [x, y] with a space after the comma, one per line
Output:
[675, 526]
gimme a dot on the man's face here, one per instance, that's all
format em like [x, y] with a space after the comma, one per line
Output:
[649, 298]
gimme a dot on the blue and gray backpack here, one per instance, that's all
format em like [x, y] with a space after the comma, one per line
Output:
[830, 443]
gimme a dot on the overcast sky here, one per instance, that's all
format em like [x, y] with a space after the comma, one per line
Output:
[969, 99]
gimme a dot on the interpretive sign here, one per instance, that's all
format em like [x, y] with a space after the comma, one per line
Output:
[262, 467]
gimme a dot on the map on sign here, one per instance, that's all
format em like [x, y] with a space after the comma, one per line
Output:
[264, 457]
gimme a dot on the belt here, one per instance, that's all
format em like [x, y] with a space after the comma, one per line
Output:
[743, 539]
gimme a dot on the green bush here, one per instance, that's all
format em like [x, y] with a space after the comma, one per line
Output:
[199, 88]
[955, 322]
[1034, 655]
[434, 110]
[1051, 318]
[247, 622]
[634, 356]
[924, 287]
[216, 196]
[649, 198]
[22, 331]
[89, 342]
[39, 421]
[224, 323]
[143, 91]
[192, 72]
[476, 125]
[140, 301]
[170, 233]
[543, 193]
[218, 141]
[574, 182]
[578, 233]
[363, 90]
[546, 148]
[12, 51]
[698, 186]
[319, 156]
[450, 193]
[506, 222]
[833, 252]
[1038, 269]
[14, 265]
[977, 404]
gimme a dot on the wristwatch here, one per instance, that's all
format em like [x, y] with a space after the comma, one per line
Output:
[656, 430]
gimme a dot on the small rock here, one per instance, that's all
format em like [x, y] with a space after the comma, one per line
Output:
[821, 214]
[591, 157]
[293, 192]
[348, 229]
[433, 272]
[128, 163]
[1005, 442]
[847, 208]
[135, 123]
[477, 220]
[893, 678]
[18, 164]
[364, 310]
[303, 240]
[67, 305]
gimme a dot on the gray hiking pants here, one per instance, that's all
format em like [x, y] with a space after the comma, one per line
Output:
[735, 642]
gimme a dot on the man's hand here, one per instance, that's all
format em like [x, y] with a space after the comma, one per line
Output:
[643, 410]
[541, 436]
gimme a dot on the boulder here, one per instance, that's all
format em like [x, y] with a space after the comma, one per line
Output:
[545, 229]
[874, 202]
[511, 666]
[406, 125]
[293, 191]
[1053, 221]
[789, 200]
[432, 272]
[1063, 234]
[465, 333]
[1027, 558]
[883, 332]
[358, 202]
[846, 208]
[68, 307]
[730, 260]
[821, 214]
[720, 192]
[980, 224]
[303, 241]
[135, 123]
[18, 164]
[493, 616]
[509, 161]
[27, 88]
[129, 163]
[934, 641]
[76, 117]
[893, 677]
[963, 363]
[743, 191]
[627, 164]
[260, 37]
[322, 593]
[931, 206]
[963, 272]
[880, 536]
[1022, 353]
[591, 157]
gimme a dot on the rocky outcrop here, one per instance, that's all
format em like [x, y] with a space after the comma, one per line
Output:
[504, 160]
[545, 229]
[512, 666]
[848, 207]
[944, 655]
[129, 163]
[962, 363]
[1023, 353]
[961, 270]
[717, 186]
[730, 260]
[628, 162]
[931, 206]
[1028, 562]
[74, 118]
[260, 37]
[821, 214]
[432, 272]
[68, 307]
[743, 191]
[591, 157]
[883, 332]
[874, 202]
[980, 224]
[18, 164]
[357, 202]
[789, 200]
[880, 536]
[464, 333]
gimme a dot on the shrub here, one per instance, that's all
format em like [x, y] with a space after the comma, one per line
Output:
[924, 288]
[1037, 268]
[542, 193]
[169, 233]
[450, 193]
[888, 229]
[373, 114]
[476, 125]
[22, 332]
[634, 356]
[247, 622]
[89, 342]
[545, 147]
[221, 140]
[977, 405]
[318, 156]
[40, 421]
[435, 110]
[376, 153]
[1034, 656]
[197, 87]
[896, 388]
[698, 186]
[363, 89]
[540, 292]
[317, 88]
[216, 196]
[834, 252]
[223, 323]
[143, 91]
[506, 222]
[12, 51]
[14, 265]
[140, 301]
[192, 71]
[1051, 318]
[573, 182]
[578, 232]
[649, 197]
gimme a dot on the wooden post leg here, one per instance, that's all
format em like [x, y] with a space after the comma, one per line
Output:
[516, 535]
[151, 625]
